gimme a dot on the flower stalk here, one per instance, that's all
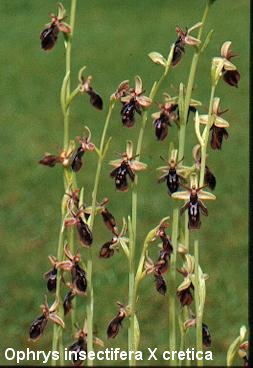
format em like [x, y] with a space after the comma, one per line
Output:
[57, 331]
[184, 103]
[205, 137]
[68, 178]
[68, 45]
[191, 79]
[132, 289]
[172, 284]
[90, 304]
[199, 314]
[204, 142]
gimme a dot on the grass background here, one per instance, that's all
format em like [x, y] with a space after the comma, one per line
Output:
[113, 39]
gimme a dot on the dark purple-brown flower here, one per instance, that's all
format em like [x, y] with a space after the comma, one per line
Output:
[172, 174]
[232, 77]
[51, 275]
[206, 335]
[183, 39]
[184, 290]
[116, 322]
[51, 160]
[164, 118]
[218, 128]
[185, 296]
[77, 347]
[79, 281]
[49, 35]
[67, 301]
[83, 229]
[106, 251]
[132, 101]
[160, 284]
[38, 325]
[85, 87]
[85, 145]
[194, 204]
[217, 137]
[125, 168]
[230, 73]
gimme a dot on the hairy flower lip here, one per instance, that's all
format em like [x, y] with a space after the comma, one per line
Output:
[115, 324]
[38, 325]
[49, 35]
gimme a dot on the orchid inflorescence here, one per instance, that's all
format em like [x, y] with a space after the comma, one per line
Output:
[183, 183]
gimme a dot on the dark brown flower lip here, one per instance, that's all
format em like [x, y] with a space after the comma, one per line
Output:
[38, 325]
[85, 87]
[116, 322]
[49, 35]
[83, 229]
[50, 160]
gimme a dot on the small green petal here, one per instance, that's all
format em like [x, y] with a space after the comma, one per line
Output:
[184, 195]
[185, 284]
[220, 122]
[157, 58]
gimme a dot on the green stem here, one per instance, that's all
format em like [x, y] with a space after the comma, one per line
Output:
[205, 138]
[186, 336]
[57, 330]
[198, 310]
[189, 87]
[194, 64]
[183, 335]
[172, 283]
[188, 94]
[183, 122]
[131, 283]
[90, 302]
[152, 95]
[132, 288]
[90, 306]
[72, 95]
[68, 44]
[186, 231]
[100, 162]
[132, 301]
[68, 179]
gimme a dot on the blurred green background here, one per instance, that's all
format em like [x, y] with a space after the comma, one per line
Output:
[112, 38]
